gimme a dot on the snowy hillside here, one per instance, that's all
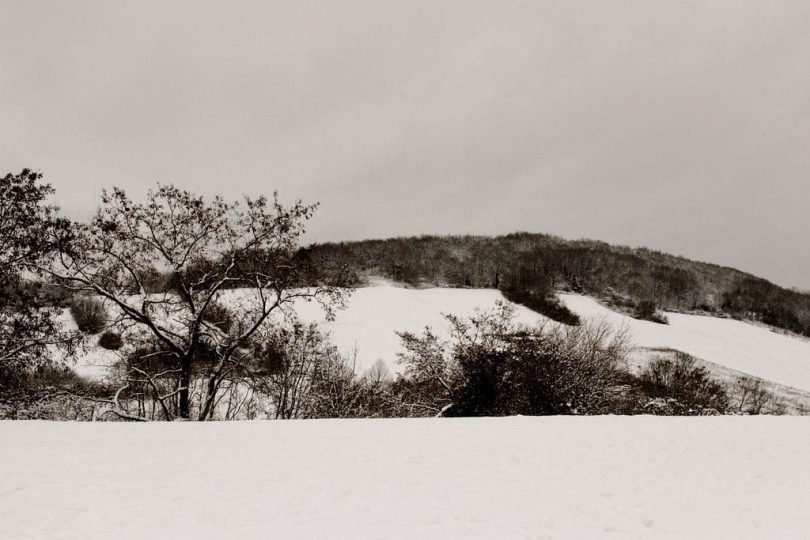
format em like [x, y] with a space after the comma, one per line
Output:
[571, 477]
[739, 345]
[369, 323]
[374, 314]
[368, 326]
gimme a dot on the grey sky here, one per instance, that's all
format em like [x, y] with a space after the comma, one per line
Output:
[682, 126]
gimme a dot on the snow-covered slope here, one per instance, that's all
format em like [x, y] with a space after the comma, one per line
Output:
[373, 315]
[560, 477]
[739, 345]
[366, 327]
[369, 323]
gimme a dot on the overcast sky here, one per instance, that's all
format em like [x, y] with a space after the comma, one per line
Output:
[681, 126]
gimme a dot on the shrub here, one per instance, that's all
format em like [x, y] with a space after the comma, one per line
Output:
[219, 316]
[752, 397]
[54, 294]
[89, 314]
[646, 310]
[335, 389]
[492, 366]
[681, 387]
[111, 341]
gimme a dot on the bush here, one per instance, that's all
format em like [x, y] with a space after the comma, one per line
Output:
[493, 367]
[219, 316]
[681, 387]
[89, 314]
[646, 310]
[752, 397]
[54, 294]
[111, 341]
[48, 393]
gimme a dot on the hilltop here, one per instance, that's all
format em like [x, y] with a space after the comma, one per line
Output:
[528, 268]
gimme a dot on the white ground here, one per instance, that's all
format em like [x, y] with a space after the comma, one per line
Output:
[560, 477]
[374, 314]
[366, 327]
[739, 345]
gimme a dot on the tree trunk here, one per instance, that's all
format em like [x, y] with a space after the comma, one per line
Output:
[185, 384]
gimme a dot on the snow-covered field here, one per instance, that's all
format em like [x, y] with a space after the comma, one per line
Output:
[559, 477]
[374, 314]
[738, 345]
[369, 324]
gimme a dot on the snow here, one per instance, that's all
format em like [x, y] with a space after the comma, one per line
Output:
[368, 325]
[570, 477]
[738, 345]
[373, 315]
[92, 361]
[364, 330]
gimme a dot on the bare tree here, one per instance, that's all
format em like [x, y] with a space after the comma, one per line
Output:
[289, 356]
[206, 247]
[754, 398]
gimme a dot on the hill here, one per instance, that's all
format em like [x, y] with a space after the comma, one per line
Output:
[527, 268]
[366, 331]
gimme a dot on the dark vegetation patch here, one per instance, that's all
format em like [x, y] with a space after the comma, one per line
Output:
[48, 393]
[680, 386]
[543, 302]
[111, 341]
[646, 311]
[529, 267]
[89, 314]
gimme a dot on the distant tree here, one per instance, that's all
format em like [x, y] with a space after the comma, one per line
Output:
[204, 247]
[647, 310]
[28, 227]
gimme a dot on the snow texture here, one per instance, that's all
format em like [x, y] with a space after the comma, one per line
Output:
[739, 345]
[373, 316]
[560, 477]
[368, 326]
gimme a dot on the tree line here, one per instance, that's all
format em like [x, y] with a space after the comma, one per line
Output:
[528, 268]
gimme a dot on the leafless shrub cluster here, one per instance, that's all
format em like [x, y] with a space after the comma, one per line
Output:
[680, 386]
[493, 366]
[750, 396]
